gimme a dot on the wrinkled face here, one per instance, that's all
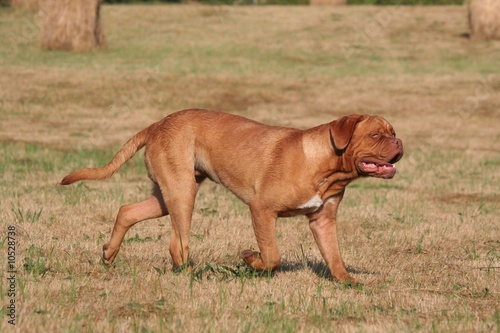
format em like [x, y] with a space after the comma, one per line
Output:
[375, 148]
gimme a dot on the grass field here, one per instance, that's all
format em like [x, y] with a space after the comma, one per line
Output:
[425, 245]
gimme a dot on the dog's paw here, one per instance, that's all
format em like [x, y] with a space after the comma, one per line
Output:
[348, 280]
[255, 260]
[108, 255]
[251, 258]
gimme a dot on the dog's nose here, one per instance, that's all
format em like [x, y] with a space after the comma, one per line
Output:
[398, 142]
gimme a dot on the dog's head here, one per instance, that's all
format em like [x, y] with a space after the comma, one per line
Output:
[368, 143]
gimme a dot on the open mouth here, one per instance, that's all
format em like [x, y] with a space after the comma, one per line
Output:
[380, 169]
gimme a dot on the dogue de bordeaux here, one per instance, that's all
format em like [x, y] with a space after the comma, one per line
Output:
[276, 171]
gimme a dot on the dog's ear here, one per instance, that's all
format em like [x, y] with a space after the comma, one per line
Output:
[341, 131]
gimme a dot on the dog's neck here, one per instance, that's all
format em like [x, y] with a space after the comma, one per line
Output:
[330, 172]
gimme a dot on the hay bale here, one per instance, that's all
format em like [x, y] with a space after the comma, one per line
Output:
[328, 2]
[71, 25]
[484, 19]
[25, 4]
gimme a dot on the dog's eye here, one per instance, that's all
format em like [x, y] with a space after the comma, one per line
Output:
[393, 134]
[375, 135]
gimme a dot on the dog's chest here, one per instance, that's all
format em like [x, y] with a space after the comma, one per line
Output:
[313, 204]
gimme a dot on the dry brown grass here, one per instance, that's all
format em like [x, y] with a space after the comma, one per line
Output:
[484, 19]
[25, 4]
[328, 2]
[71, 25]
[425, 244]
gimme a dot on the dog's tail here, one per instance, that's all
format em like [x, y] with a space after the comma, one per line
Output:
[126, 153]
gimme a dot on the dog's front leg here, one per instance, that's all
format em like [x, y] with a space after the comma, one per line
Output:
[323, 225]
[264, 225]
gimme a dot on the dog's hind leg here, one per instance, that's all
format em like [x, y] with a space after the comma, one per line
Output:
[128, 215]
[181, 202]
[179, 192]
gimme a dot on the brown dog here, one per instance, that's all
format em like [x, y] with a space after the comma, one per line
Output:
[276, 171]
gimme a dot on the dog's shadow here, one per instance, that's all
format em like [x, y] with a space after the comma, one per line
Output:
[319, 268]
